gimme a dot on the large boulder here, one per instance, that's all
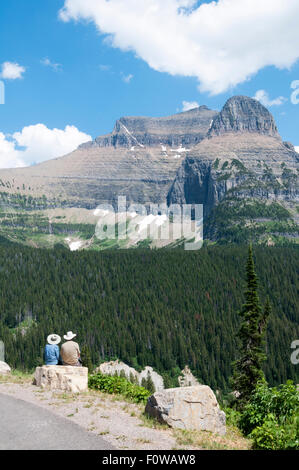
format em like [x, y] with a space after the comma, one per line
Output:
[4, 368]
[187, 379]
[193, 408]
[67, 378]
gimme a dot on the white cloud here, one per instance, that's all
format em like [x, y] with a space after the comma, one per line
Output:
[48, 63]
[222, 43]
[297, 149]
[263, 97]
[11, 71]
[9, 157]
[127, 78]
[187, 105]
[35, 144]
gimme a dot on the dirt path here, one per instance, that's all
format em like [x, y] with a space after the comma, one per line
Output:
[121, 424]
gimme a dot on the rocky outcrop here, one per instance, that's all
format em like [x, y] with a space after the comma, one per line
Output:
[194, 408]
[242, 114]
[66, 378]
[187, 379]
[119, 368]
[122, 369]
[4, 368]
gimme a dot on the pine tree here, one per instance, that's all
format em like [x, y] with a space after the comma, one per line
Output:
[248, 368]
[86, 358]
[265, 318]
[149, 384]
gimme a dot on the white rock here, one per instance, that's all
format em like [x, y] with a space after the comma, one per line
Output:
[187, 379]
[109, 368]
[4, 368]
[157, 379]
[67, 378]
[112, 367]
[193, 408]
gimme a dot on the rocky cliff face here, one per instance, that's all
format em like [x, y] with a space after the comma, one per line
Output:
[250, 165]
[241, 114]
[242, 163]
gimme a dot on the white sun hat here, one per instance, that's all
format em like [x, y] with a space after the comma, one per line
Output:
[53, 339]
[70, 335]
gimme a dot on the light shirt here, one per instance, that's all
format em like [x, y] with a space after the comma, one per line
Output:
[70, 353]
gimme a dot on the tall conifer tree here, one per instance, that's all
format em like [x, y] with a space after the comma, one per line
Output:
[248, 368]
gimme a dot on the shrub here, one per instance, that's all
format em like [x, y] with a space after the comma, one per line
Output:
[273, 436]
[119, 385]
[282, 402]
[232, 416]
[271, 418]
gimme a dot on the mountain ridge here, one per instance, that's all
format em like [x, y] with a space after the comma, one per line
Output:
[151, 131]
[223, 160]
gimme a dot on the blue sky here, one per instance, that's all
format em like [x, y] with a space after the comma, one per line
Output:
[93, 83]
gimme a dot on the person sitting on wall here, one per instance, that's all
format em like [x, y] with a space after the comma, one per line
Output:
[70, 352]
[51, 351]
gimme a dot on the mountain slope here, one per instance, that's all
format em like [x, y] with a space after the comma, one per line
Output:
[138, 159]
[233, 162]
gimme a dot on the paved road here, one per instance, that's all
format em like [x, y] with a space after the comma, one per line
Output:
[24, 426]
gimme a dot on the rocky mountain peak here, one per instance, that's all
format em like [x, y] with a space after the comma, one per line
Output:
[242, 114]
[187, 129]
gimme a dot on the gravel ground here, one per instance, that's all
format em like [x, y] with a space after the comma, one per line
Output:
[120, 423]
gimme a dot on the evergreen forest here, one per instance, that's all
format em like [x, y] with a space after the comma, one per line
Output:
[165, 308]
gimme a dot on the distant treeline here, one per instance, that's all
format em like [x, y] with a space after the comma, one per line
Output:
[164, 308]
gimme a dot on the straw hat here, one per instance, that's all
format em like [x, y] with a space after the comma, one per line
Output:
[53, 339]
[70, 335]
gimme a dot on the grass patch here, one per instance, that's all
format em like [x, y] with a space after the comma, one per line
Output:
[17, 377]
[232, 440]
[66, 397]
[149, 422]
